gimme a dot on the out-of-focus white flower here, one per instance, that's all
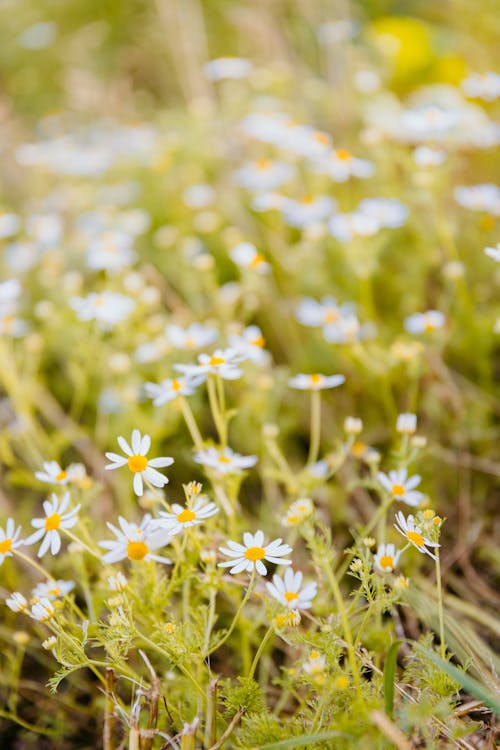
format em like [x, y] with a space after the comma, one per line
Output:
[388, 212]
[307, 211]
[224, 460]
[484, 86]
[353, 425]
[184, 517]
[315, 664]
[53, 589]
[117, 582]
[251, 345]
[315, 382]
[367, 81]
[425, 322]
[111, 251]
[333, 32]
[52, 473]
[43, 611]
[386, 558]
[429, 156]
[249, 556]
[289, 591]
[107, 308]
[171, 388]
[485, 197]
[246, 255]
[221, 68]
[345, 227]
[141, 467]
[9, 224]
[340, 164]
[38, 36]
[195, 336]
[493, 252]
[135, 542]
[56, 518]
[427, 121]
[263, 174]
[9, 539]
[222, 362]
[406, 423]
[402, 487]
[198, 196]
[17, 602]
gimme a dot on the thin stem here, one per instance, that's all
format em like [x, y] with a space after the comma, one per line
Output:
[190, 421]
[216, 413]
[185, 671]
[315, 426]
[238, 612]
[440, 605]
[83, 544]
[33, 564]
[259, 652]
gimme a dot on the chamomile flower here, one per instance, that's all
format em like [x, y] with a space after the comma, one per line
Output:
[135, 542]
[17, 602]
[386, 558]
[141, 467]
[106, 308]
[401, 487]
[184, 517]
[484, 197]
[224, 460]
[43, 611]
[111, 251]
[315, 664]
[222, 362]
[427, 156]
[406, 423]
[117, 582]
[171, 388]
[53, 589]
[484, 86]
[9, 539]
[222, 68]
[345, 227]
[315, 382]
[413, 533]
[263, 175]
[56, 518]
[249, 556]
[493, 252]
[387, 212]
[245, 255]
[195, 336]
[425, 322]
[307, 211]
[298, 511]
[341, 164]
[52, 473]
[289, 591]
[251, 345]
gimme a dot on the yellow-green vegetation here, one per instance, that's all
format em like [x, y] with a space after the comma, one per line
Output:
[249, 317]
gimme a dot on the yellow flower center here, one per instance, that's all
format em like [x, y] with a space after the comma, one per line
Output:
[255, 553]
[5, 546]
[342, 154]
[259, 341]
[321, 138]
[7, 321]
[176, 386]
[224, 460]
[52, 522]
[54, 592]
[330, 316]
[290, 596]
[137, 550]
[314, 655]
[398, 490]
[429, 326]
[358, 448]
[189, 343]
[263, 164]
[316, 379]
[61, 476]
[415, 537]
[307, 199]
[216, 361]
[186, 515]
[137, 463]
[386, 561]
[256, 261]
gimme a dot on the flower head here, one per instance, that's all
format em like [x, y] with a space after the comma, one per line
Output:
[52, 589]
[315, 382]
[9, 539]
[222, 362]
[224, 460]
[135, 542]
[141, 467]
[386, 558]
[425, 322]
[289, 591]
[171, 388]
[43, 611]
[195, 336]
[17, 602]
[56, 518]
[250, 555]
[413, 533]
[493, 252]
[401, 487]
[184, 517]
[246, 255]
[52, 473]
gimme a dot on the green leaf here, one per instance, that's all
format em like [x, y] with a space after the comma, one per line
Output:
[469, 684]
[389, 673]
[301, 741]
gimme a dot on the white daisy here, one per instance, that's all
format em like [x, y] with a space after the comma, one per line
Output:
[386, 558]
[263, 174]
[251, 345]
[222, 362]
[171, 388]
[493, 252]
[289, 592]
[182, 517]
[345, 227]
[227, 67]
[224, 460]
[401, 487]
[427, 156]
[315, 382]
[106, 308]
[195, 336]
[141, 467]
[43, 611]
[53, 589]
[484, 197]
[245, 255]
[52, 473]
[425, 322]
[388, 212]
[17, 602]
[249, 556]
[111, 251]
[413, 533]
[9, 539]
[55, 518]
[406, 423]
[484, 86]
[135, 542]
[307, 211]
[341, 164]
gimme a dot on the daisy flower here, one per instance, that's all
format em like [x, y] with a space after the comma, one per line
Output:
[251, 345]
[298, 511]
[52, 473]
[347, 226]
[386, 558]
[9, 539]
[222, 362]
[17, 602]
[315, 382]
[263, 174]
[426, 156]
[225, 460]
[341, 165]
[306, 211]
[249, 556]
[493, 252]
[387, 212]
[312, 313]
[406, 423]
[484, 197]
[135, 542]
[106, 308]
[246, 255]
[171, 388]
[221, 68]
[43, 611]
[195, 336]
[111, 251]
[484, 86]
[413, 533]
[425, 322]
[55, 518]
[53, 589]
[401, 487]
[315, 664]
[182, 517]
[141, 467]
[289, 591]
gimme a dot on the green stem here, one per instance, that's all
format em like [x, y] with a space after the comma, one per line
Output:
[259, 652]
[315, 426]
[190, 421]
[185, 671]
[238, 612]
[215, 409]
[440, 605]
